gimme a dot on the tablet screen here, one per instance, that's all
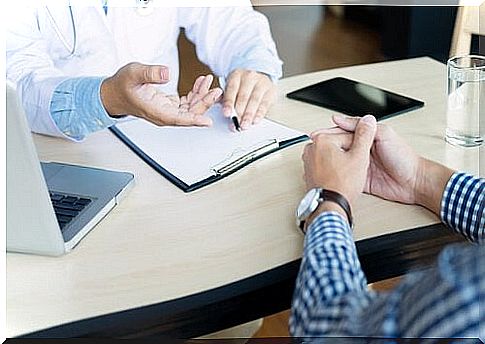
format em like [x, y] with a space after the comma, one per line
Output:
[355, 98]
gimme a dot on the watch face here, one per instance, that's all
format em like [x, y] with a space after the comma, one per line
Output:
[308, 204]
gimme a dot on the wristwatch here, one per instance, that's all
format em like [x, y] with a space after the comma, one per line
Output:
[313, 199]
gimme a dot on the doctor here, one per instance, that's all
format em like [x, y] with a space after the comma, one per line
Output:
[73, 63]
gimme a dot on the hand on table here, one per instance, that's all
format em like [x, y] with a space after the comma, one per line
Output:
[338, 160]
[396, 172]
[131, 90]
[251, 94]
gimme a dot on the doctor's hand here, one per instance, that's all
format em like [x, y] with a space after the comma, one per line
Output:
[251, 94]
[132, 91]
[396, 172]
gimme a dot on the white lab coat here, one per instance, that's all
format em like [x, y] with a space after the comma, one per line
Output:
[37, 60]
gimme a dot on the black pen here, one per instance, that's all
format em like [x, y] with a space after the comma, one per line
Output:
[235, 120]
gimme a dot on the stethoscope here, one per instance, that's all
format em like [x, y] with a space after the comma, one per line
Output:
[71, 49]
[142, 8]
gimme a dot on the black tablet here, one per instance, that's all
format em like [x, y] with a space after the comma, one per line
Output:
[355, 98]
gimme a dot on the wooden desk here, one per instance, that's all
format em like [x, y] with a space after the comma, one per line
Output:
[187, 264]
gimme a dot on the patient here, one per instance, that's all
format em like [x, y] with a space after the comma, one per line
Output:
[331, 296]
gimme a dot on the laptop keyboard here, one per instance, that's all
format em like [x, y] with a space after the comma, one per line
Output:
[67, 207]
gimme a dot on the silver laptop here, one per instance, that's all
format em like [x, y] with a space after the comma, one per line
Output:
[52, 206]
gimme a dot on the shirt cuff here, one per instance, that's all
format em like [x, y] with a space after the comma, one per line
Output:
[260, 60]
[77, 109]
[462, 206]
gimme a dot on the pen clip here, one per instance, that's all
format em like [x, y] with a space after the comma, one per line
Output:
[231, 165]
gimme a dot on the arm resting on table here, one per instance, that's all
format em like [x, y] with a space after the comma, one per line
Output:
[331, 296]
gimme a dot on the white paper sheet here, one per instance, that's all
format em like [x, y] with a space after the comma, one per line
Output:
[191, 153]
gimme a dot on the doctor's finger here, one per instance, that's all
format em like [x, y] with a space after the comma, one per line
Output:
[146, 74]
[252, 108]
[197, 83]
[230, 93]
[264, 106]
[201, 88]
[242, 99]
[206, 102]
[205, 85]
[191, 95]
[185, 119]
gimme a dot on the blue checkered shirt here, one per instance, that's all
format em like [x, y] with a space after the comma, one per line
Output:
[448, 301]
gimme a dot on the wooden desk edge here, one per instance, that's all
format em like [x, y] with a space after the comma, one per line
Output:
[215, 309]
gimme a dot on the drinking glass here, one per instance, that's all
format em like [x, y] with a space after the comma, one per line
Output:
[465, 118]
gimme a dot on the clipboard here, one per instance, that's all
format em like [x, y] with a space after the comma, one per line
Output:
[194, 157]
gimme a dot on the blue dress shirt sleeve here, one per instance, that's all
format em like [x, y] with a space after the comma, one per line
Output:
[331, 296]
[76, 107]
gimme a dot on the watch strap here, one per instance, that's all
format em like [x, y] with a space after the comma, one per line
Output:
[335, 197]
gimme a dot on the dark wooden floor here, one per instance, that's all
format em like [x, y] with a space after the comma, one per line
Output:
[276, 325]
[322, 41]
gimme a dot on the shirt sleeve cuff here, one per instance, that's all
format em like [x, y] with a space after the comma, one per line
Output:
[462, 205]
[77, 109]
[261, 61]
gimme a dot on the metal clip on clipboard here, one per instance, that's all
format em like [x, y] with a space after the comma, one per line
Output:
[229, 165]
